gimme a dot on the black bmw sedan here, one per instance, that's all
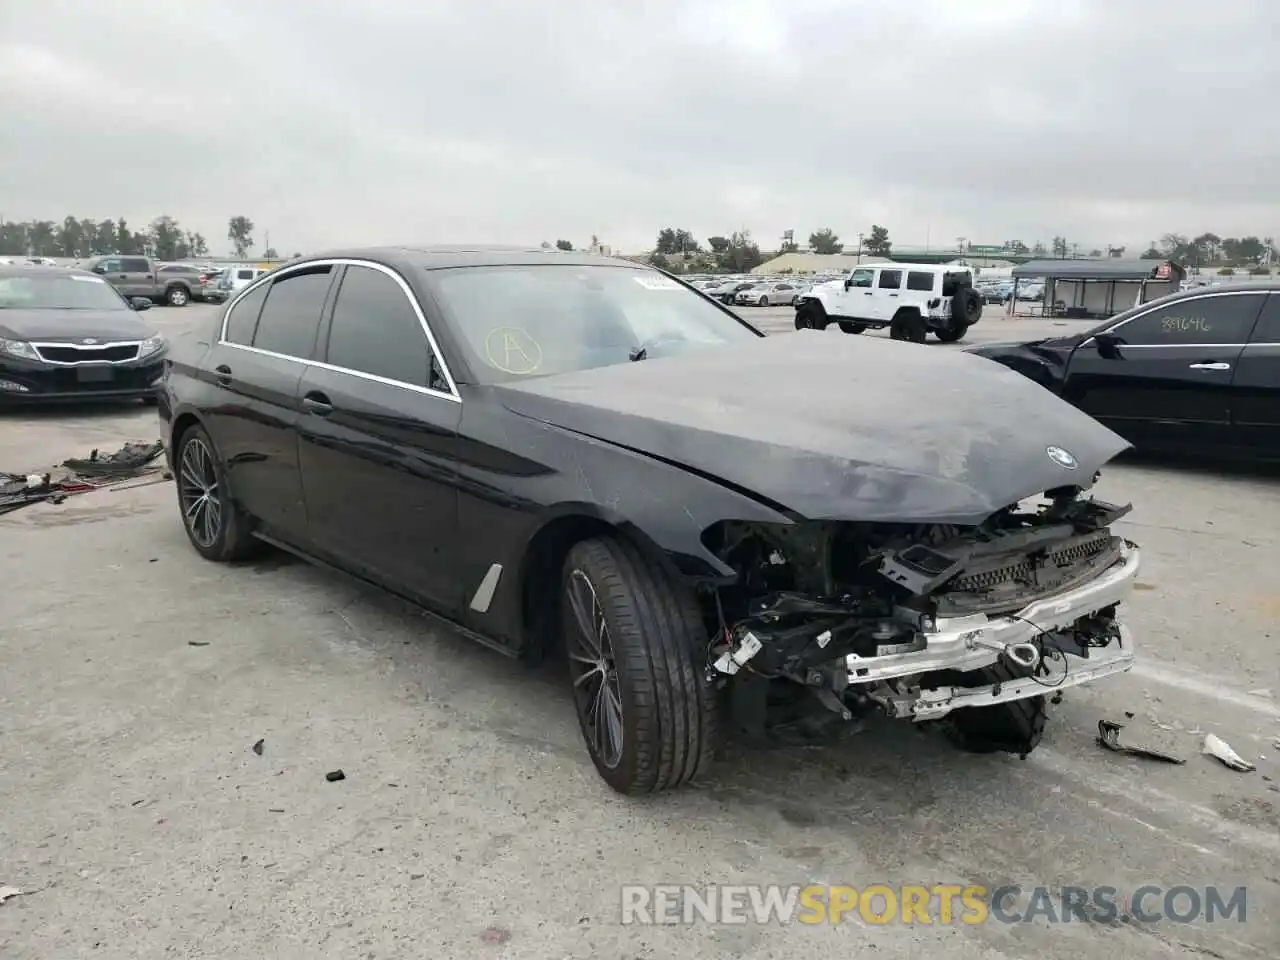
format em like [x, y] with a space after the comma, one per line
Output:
[1194, 373]
[68, 335]
[725, 532]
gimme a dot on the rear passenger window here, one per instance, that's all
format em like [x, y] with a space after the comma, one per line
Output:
[920, 280]
[890, 279]
[291, 314]
[1268, 328]
[242, 319]
[375, 330]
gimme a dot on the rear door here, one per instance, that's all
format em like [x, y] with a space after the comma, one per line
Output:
[1255, 386]
[138, 278]
[269, 338]
[888, 293]
[378, 437]
[1168, 383]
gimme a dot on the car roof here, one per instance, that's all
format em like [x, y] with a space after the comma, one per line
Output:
[448, 257]
[33, 270]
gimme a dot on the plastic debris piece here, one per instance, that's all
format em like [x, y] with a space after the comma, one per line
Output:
[197, 643]
[1215, 746]
[7, 893]
[257, 747]
[333, 776]
[1151, 747]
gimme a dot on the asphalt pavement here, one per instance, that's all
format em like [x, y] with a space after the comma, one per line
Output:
[139, 820]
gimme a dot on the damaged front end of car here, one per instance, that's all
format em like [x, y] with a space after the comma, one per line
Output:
[828, 621]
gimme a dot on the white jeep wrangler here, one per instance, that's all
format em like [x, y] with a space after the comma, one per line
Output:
[909, 298]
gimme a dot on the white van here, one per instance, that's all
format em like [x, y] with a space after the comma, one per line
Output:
[236, 278]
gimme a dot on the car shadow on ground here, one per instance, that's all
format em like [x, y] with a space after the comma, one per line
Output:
[94, 410]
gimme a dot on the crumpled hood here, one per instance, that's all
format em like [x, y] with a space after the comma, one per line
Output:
[72, 325]
[835, 427]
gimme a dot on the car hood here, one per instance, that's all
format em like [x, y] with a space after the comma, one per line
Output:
[72, 325]
[835, 428]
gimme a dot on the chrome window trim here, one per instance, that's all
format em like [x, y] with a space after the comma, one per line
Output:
[136, 344]
[1161, 306]
[275, 275]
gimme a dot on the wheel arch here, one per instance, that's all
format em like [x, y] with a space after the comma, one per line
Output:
[539, 568]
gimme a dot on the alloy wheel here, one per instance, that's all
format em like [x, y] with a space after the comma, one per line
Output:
[198, 492]
[594, 673]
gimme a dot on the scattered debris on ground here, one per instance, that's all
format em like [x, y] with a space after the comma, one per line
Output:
[1215, 746]
[132, 461]
[1122, 738]
[7, 893]
[197, 643]
[333, 776]
[257, 747]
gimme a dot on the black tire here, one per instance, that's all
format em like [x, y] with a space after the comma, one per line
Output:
[764, 301]
[665, 709]
[177, 296]
[1015, 727]
[228, 538]
[847, 327]
[966, 307]
[952, 332]
[811, 316]
[908, 325]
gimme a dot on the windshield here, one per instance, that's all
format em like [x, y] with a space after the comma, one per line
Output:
[58, 291]
[530, 321]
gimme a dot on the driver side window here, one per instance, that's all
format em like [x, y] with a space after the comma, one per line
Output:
[861, 278]
[1196, 320]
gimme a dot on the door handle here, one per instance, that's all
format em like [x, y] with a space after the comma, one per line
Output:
[317, 403]
[1210, 366]
[223, 374]
[893, 294]
[866, 293]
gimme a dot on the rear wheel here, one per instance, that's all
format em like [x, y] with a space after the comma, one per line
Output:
[847, 327]
[953, 332]
[216, 527]
[176, 296]
[636, 649]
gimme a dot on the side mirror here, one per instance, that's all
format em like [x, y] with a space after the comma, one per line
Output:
[140, 303]
[1108, 345]
[847, 283]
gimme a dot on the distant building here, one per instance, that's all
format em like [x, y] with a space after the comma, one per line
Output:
[804, 263]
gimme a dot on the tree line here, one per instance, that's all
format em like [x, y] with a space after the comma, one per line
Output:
[164, 238]
[679, 251]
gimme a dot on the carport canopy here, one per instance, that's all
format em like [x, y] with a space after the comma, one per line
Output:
[1111, 268]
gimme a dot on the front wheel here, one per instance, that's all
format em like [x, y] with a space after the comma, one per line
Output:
[764, 301]
[636, 648]
[215, 525]
[811, 316]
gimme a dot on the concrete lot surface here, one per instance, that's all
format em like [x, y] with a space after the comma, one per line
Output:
[471, 822]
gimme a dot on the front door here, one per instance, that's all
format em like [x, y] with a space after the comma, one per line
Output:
[378, 441]
[1166, 381]
[1255, 387]
[855, 300]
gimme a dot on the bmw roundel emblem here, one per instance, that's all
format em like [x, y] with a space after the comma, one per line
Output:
[1062, 458]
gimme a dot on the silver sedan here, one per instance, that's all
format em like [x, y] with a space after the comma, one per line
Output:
[779, 294]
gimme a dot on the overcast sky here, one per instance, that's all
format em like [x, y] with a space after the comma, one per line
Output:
[334, 122]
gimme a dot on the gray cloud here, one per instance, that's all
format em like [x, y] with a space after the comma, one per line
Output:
[337, 122]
